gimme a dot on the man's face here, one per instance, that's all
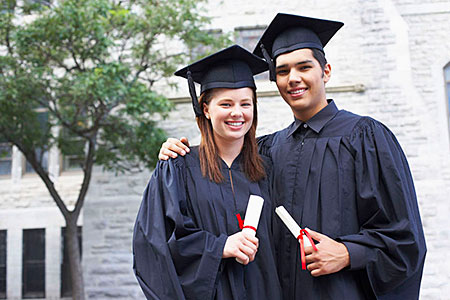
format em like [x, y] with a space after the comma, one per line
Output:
[301, 82]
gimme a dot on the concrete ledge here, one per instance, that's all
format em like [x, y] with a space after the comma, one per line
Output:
[424, 9]
[355, 88]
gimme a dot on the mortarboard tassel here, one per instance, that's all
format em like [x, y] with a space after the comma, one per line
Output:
[272, 75]
[197, 110]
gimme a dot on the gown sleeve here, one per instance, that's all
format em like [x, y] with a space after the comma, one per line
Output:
[390, 245]
[264, 144]
[173, 259]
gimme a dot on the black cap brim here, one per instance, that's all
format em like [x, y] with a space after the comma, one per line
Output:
[323, 29]
[232, 68]
[208, 71]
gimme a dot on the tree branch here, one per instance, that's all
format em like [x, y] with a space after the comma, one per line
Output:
[87, 169]
[59, 63]
[31, 158]
[72, 52]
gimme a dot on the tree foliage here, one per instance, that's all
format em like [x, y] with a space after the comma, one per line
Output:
[91, 66]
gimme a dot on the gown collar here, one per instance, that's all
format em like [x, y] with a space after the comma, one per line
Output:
[318, 121]
[235, 165]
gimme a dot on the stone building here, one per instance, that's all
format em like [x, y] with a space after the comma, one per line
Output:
[391, 61]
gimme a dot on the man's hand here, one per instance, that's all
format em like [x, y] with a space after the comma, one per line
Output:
[330, 257]
[172, 147]
[241, 246]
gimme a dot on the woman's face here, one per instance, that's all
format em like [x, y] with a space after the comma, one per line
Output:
[231, 113]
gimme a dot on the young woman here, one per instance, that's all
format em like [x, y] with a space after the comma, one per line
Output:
[187, 234]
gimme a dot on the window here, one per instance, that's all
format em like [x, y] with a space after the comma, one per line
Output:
[447, 84]
[36, 3]
[200, 50]
[2, 264]
[248, 37]
[44, 2]
[66, 278]
[7, 6]
[41, 154]
[73, 152]
[5, 158]
[33, 263]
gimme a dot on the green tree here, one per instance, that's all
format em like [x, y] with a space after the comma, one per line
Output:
[91, 65]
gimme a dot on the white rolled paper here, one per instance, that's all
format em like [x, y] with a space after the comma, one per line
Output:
[252, 215]
[291, 224]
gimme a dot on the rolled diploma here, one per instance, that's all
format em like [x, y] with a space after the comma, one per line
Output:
[252, 214]
[291, 224]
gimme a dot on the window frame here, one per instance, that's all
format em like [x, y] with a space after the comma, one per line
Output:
[28, 262]
[66, 159]
[27, 168]
[446, 71]
[7, 158]
[247, 37]
[4, 267]
[200, 51]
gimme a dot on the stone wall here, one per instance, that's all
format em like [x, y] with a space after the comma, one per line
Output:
[111, 209]
[395, 49]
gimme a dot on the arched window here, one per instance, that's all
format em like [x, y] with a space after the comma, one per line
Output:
[447, 85]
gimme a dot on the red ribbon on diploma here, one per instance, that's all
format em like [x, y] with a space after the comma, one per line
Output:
[302, 246]
[251, 227]
[241, 223]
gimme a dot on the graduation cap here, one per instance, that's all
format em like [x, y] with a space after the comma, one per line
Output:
[232, 68]
[287, 33]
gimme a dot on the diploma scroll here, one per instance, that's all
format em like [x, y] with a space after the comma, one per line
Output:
[252, 215]
[290, 223]
[300, 234]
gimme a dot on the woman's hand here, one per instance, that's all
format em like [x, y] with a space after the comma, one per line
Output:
[242, 246]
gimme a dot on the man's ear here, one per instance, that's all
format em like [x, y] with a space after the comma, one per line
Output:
[326, 73]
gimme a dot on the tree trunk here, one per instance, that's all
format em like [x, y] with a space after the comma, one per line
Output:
[76, 270]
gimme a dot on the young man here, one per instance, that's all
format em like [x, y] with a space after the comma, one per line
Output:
[339, 174]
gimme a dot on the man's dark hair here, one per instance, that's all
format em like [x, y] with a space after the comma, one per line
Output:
[320, 57]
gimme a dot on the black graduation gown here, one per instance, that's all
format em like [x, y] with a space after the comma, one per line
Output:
[181, 229]
[346, 176]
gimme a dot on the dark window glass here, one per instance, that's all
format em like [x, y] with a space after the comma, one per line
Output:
[73, 151]
[447, 81]
[44, 2]
[5, 158]
[7, 6]
[42, 155]
[447, 72]
[33, 263]
[201, 50]
[448, 95]
[66, 278]
[36, 3]
[2, 264]
[248, 37]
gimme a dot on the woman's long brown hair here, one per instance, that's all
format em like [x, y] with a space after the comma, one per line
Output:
[252, 164]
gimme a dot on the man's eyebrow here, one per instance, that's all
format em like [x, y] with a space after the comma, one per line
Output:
[299, 63]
